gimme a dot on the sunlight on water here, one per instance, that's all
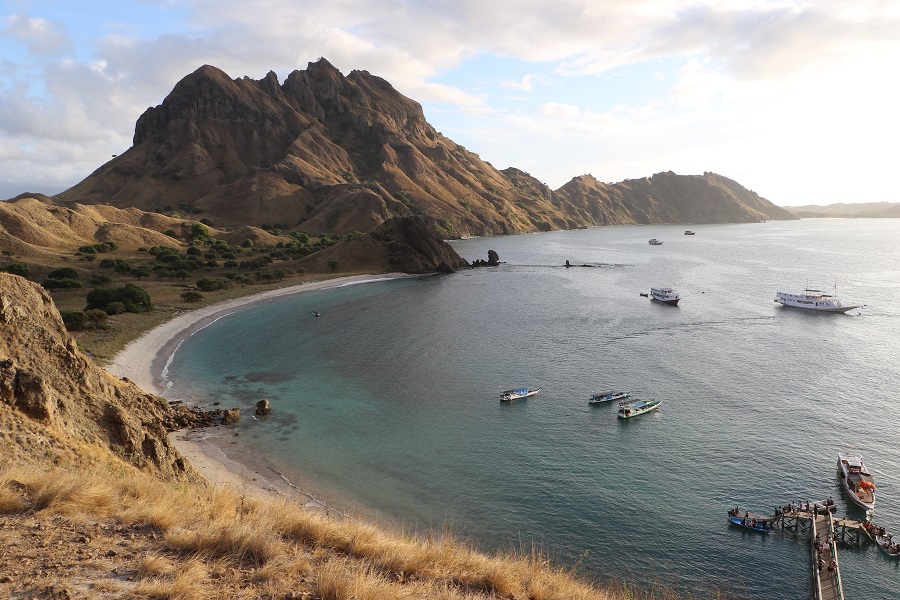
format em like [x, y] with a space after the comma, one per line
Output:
[389, 400]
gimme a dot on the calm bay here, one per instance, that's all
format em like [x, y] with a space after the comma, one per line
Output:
[388, 401]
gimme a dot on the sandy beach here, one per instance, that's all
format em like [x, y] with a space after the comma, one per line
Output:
[220, 459]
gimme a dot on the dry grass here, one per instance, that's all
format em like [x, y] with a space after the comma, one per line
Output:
[192, 542]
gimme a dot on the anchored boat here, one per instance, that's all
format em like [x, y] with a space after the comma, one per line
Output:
[607, 397]
[814, 300]
[517, 394]
[856, 480]
[638, 407]
[655, 242]
[666, 295]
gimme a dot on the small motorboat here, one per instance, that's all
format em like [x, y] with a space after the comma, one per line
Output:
[628, 410]
[655, 242]
[689, 232]
[517, 394]
[882, 539]
[607, 397]
[315, 313]
[644, 294]
[752, 523]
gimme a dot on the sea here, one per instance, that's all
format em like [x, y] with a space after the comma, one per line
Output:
[387, 403]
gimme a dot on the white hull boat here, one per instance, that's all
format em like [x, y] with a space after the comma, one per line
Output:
[856, 480]
[813, 300]
[517, 394]
[666, 295]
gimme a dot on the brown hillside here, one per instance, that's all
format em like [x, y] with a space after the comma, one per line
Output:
[327, 153]
[54, 400]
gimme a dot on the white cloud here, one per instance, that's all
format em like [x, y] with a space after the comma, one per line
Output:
[41, 37]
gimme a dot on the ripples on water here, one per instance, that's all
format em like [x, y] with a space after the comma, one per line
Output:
[389, 400]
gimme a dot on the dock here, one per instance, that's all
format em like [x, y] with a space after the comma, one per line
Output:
[824, 532]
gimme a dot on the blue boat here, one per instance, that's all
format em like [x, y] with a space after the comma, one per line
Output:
[752, 523]
[607, 397]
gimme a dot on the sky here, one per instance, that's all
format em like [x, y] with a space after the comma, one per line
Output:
[796, 100]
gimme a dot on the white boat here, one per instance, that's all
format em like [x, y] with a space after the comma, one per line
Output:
[856, 480]
[813, 300]
[637, 407]
[666, 295]
[517, 394]
[655, 242]
[607, 397]
[689, 232]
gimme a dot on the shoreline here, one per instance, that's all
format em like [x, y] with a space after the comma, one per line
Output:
[144, 362]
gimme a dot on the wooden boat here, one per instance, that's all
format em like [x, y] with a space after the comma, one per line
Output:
[607, 397]
[856, 480]
[882, 539]
[753, 524]
[628, 410]
[666, 295]
[517, 394]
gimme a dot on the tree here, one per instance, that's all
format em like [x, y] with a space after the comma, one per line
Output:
[17, 269]
[192, 296]
[134, 298]
[63, 273]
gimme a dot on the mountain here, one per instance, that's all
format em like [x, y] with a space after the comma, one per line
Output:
[863, 210]
[327, 153]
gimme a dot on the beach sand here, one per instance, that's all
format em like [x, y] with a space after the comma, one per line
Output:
[213, 451]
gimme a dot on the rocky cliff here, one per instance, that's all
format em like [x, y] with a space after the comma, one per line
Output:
[327, 153]
[57, 405]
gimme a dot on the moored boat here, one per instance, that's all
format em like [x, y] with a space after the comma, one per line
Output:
[753, 524]
[517, 394]
[813, 300]
[666, 295]
[688, 232]
[637, 407]
[856, 480]
[607, 397]
[882, 539]
[655, 242]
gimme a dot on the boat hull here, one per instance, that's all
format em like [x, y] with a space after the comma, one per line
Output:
[630, 411]
[743, 524]
[881, 540]
[669, 302]
[851, 481]
[813, 300]
[509, 396]
[604, 398]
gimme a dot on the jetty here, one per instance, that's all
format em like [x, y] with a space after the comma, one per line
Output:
[824, 531]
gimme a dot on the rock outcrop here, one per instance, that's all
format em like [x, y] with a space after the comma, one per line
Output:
[55, 401]
[327, 153]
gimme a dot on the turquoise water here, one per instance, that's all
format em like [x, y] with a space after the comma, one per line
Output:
[389, 399]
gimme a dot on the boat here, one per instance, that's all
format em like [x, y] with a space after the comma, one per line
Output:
[637, 407]
[753, 524]
[315, 313]
[607, 397]
[856, 480]
[655, 242]
[666, 295]
[689, 232]
[644, 294]
[882, 539]
[517, 394]
[814, 300]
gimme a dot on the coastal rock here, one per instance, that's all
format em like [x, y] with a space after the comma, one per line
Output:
[55, 402]
[231, 416]
[262, 407]
[493, 259]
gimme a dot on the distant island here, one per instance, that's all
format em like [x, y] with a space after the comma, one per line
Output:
[863, 210]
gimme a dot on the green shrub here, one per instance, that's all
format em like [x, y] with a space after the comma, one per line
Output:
[74, 320]
[17, 269]
[61, 284]
[192, 296]
[209, 284]
[134, 299]
[63, 273]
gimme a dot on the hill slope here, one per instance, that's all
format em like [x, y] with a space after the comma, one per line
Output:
[328, 153]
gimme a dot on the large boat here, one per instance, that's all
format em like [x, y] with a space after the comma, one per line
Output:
[813, 300]
[655, 242]
[637, 407]
[856, 480]
[517, 394]
[666, 295]
[607, 397]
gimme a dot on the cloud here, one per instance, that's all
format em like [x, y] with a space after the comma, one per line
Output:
[41, 37]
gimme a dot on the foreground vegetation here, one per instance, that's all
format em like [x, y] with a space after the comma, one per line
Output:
[110, 533]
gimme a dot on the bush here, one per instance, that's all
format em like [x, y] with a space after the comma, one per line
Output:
[192, 296]
[61, 284]
[17, 269]
[74, 320]
[63, 273]
[99, 279]
[208, 284]
[133, 298]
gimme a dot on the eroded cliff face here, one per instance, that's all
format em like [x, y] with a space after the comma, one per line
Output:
[56, 403]
[324, 152]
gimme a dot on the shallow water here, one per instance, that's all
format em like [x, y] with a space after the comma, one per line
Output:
[389, 399]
